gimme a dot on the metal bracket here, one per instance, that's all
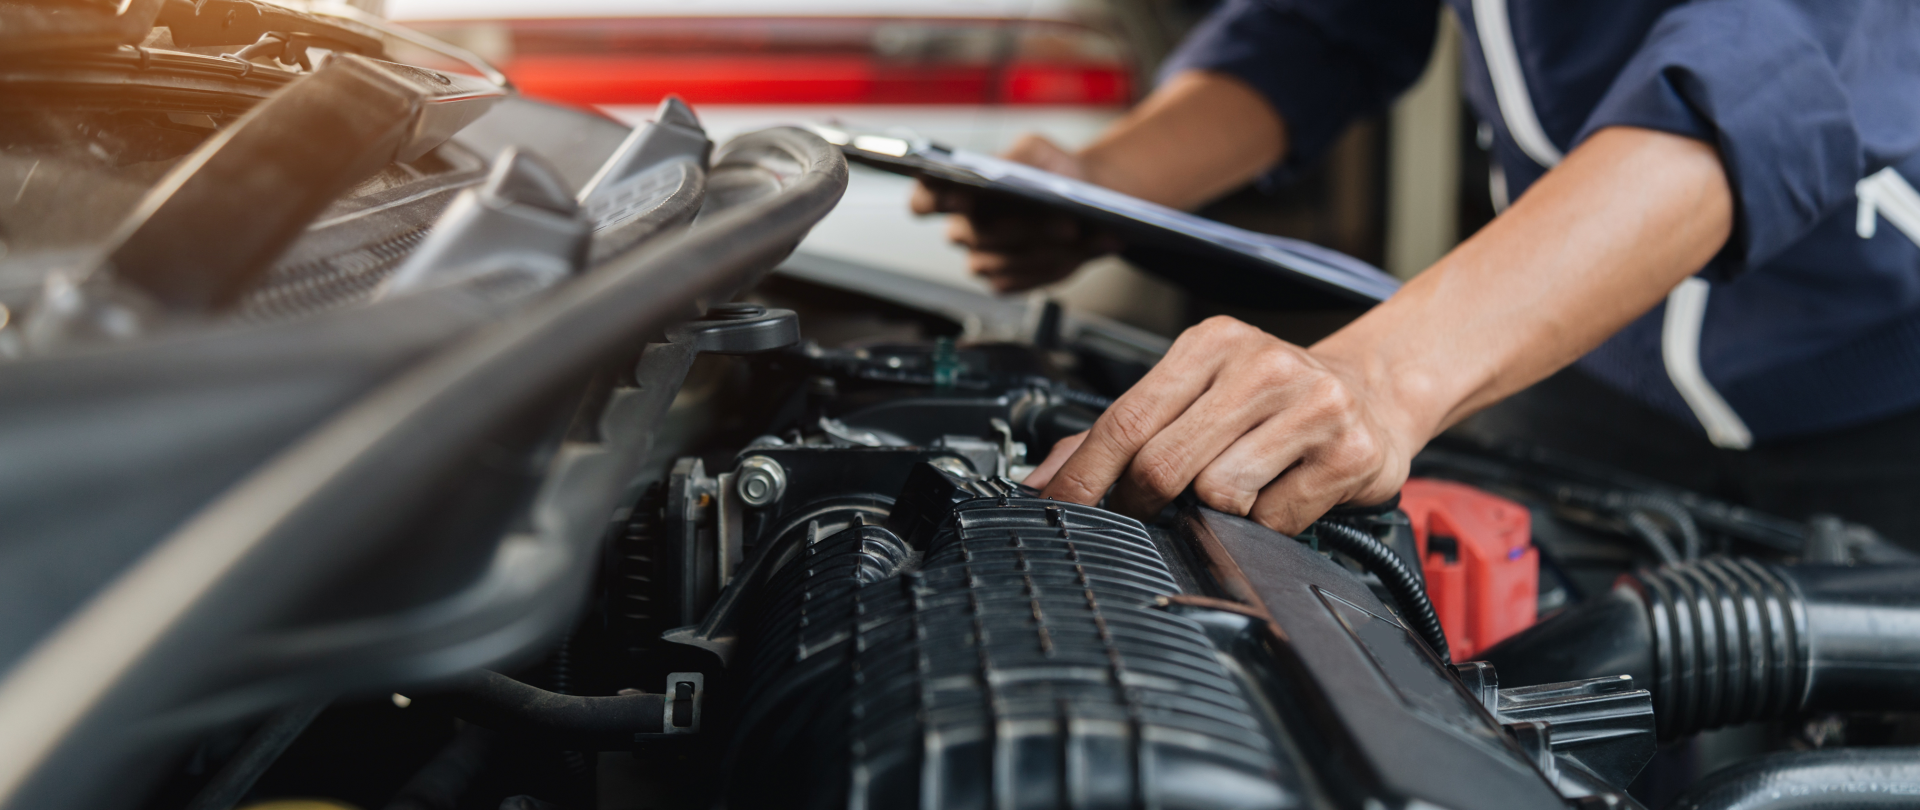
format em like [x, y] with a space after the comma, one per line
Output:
[680, 713]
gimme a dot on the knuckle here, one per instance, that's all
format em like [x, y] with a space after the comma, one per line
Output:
[1201, 332]
[1334, 396]
[1360, 448]
[1128, 425]
[1278, 514]
[1222, 327]
[1275, 366]
[1159, 475]
[1223, 493]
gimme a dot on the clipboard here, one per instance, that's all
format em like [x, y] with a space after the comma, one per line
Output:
[1208, 258]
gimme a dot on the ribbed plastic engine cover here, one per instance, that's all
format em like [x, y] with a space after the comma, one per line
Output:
[1022, 663]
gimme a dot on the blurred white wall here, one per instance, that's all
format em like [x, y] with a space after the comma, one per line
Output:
[1423, 162]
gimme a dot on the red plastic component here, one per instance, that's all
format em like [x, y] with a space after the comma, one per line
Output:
[1487, 587]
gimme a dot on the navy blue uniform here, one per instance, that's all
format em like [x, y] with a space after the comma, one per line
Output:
[1809, 320]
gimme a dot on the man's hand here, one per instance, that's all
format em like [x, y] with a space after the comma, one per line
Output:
[1259, 426]
[1280, 433]
[1012, 244]
[1199, 136]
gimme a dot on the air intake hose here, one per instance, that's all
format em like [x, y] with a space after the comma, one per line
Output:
[1725, 641]
[1830, 779]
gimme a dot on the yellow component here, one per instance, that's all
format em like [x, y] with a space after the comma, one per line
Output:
[300, 804]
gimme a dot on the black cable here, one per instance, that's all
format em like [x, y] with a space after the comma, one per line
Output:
[440, 784]
[244, 768]
[560, 672]
[525, 711]
[1641, 526]
[1675, 513]
[1642, 513]
[1415, 608]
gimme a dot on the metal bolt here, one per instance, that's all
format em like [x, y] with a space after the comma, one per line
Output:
[760, 481]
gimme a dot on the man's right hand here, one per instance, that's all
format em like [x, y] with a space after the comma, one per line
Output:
[1200, 135]
[1013, 244]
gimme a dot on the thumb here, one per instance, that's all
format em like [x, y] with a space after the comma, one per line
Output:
[1040, 153]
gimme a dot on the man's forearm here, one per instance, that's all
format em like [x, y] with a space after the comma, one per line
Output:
[1592, 245]
[1199, 136]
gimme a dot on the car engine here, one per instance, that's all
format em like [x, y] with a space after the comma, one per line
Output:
[373, 437]
[861, 606]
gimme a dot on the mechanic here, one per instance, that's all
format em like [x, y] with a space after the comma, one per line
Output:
[1713, 221]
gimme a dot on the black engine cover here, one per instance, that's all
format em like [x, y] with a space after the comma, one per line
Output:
[1024, 658]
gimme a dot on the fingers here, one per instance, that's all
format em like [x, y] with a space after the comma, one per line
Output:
[1140, 414]
[1296, 499]
[1018, 272]
[1257, 426]
[921, 201]
[1234, 480]
[1315, 455]
[1171, 459]
[1018, 253]
[1038, 152]
[938, 197]
[1002, 233]
[1058, 456]
[1270, 402]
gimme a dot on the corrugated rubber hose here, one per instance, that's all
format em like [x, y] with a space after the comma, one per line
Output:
[1831, 779]
[1415, 608]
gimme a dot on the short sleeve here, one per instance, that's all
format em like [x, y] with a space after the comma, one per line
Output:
[1773, 85]
[1321, 63]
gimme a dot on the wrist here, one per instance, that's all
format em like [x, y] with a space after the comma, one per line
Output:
[1404, 404]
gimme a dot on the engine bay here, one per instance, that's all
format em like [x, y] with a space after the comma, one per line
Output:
[831, 590]
[512, 459]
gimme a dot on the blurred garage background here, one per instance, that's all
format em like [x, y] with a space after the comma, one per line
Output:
[1398, 190]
